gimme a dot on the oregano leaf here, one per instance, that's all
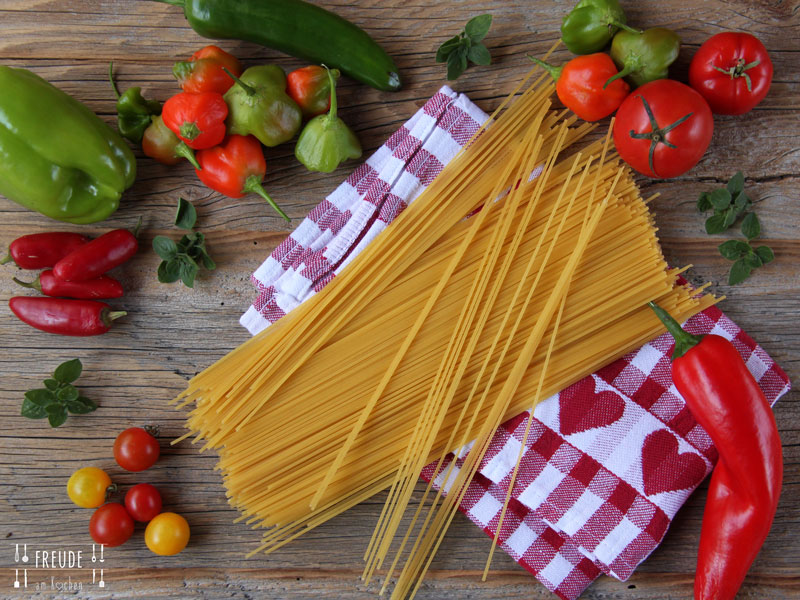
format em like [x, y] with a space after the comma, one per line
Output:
[740, 271]
[57, 416]
[720, 199]
[733, 250]
[736, 184]
[456, 63]
[445, 49]
[477, 27]
[51, 384]
[186, 214]
[715, 224]
[765, 253]
[41, 397]
[31, 410]
[704, 202]
[164, 247]
[751, 228]
[69, 371]
[479, 55]
[67, 393]
[729, 217]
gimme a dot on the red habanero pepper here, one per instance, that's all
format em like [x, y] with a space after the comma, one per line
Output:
[235, 168]
[65, 316]
[204, 72]
[50, 285]
[41, 250]
[98, 256]
[197, 119]
[159, 143]
[310, 88]
[581, 85]
[743, 494]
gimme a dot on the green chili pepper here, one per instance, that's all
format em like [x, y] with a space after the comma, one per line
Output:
[326, 140]
[134, 113]
[592, 24]
[56, 156]
[259, 105]
[646, 56]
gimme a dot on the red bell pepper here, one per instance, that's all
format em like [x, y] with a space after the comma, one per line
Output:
[41, 250]
[204, 72]
[64, 316]
[310, 88]
[97, 257]
[50, 285]
[235, 168]
[197, 119]
[726, 401]
[159, 143]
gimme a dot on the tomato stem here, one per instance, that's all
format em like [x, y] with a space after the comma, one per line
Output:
[657, 135]
[739, 71]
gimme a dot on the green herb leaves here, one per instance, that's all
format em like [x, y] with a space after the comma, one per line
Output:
[182, 260]
[466, 46]
[59, 397]
[729, 203]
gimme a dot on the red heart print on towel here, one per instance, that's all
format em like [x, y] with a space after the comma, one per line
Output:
[664, 469]
[581, 408]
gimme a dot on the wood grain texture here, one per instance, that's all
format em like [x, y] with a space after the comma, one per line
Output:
[172, 332]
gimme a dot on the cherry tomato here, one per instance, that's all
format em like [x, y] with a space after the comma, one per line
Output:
[732, 71]
[136, 450]
[143, 502]
[167, 534]
[87, 487]
[111, 525]
[663, 128]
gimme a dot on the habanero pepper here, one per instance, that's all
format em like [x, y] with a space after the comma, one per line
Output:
[42, 250]
[161, 144]
[134, 113]
[50, 285]
[310, 88]
[580, 85]
[204, 72]
[65, 316]
[591, 24]
[644, 56]
[98, 256]
[235, 168]
[197, 119]
[726, 401]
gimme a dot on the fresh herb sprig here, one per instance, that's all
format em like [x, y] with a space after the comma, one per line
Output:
[182, 260]
[58, 397]
[466, 46]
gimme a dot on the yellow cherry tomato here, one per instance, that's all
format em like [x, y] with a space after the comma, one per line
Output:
[167, 534]
[87, 487]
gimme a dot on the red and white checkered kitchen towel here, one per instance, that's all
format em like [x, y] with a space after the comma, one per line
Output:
[600, 482]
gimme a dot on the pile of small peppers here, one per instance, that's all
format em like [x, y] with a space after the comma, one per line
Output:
[226, 114]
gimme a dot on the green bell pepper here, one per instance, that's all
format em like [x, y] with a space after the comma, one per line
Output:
[326, 140]
[259, 105]
[646, 56]
[56, 156]
[591, 25]
[134, 112]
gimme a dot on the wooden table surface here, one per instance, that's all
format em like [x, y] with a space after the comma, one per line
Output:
[172, 332]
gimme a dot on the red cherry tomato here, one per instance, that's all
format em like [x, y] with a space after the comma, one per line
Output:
[111, 525]
[136, 450]
[663, 128]
[143, 502]
[732, 71]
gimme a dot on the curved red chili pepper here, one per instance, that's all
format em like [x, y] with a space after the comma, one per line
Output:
[64, 316]
[197, 119]
[235, 168]
[41, 250]
[743, 494]
[204, 72]
[50, 285]
[97, 257]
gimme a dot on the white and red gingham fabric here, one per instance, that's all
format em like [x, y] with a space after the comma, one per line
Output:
[599, 483]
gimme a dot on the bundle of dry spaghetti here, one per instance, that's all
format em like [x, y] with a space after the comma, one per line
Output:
[436, 332]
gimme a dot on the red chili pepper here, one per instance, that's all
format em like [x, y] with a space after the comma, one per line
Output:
[203, 72]
[235, 168]
[310, 88]
[581, 85]
[97, 257]
[50, 285]
[197, 119]
[64, 316]
[743, 494]
[160, 143]
[41, 250]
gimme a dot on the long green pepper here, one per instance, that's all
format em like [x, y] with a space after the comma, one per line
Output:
[56, 156]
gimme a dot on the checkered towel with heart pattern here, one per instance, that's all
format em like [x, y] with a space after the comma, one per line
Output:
[599, 483]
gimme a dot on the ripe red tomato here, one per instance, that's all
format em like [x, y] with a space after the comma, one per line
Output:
[732, 71]
[111, 525]
[136, 450]
[663, 128]
[143, 502]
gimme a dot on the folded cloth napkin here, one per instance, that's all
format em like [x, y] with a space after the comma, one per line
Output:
[599, 483]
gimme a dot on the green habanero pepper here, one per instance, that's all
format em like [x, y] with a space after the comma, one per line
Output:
[326, 140]
[259, 105]
[134, 113]
[646, 56]
[591, 25]
[56, 156]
